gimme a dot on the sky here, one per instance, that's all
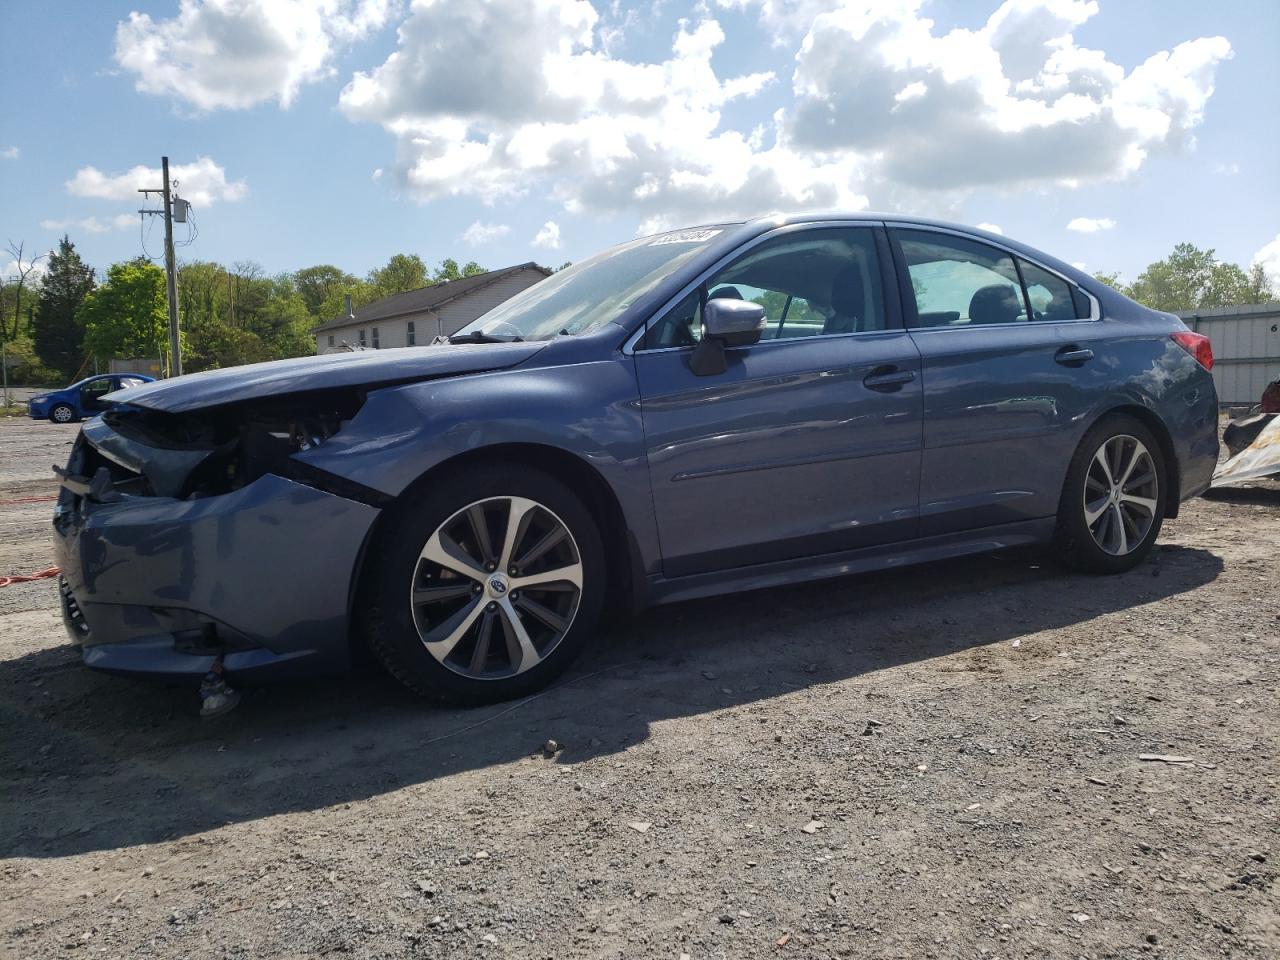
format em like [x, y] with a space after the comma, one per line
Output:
[344, 131]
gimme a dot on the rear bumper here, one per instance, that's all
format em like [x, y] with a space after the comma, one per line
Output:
[263, 576]
[1192, 419]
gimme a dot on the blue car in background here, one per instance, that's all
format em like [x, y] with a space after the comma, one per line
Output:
[83, 399]
[730, 407]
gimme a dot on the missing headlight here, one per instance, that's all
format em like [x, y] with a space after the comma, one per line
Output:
[234, 445]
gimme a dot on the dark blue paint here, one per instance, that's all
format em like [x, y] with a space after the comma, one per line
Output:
[799, 461]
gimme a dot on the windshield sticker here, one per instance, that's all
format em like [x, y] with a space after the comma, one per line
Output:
[685, 236]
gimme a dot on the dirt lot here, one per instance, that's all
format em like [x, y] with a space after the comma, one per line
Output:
[943, 762]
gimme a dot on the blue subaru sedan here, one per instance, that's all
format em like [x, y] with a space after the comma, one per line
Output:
[727, 407]
[83, 399]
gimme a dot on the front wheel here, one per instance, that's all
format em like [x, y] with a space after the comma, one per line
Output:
[62, 413]
[486, 585]
[1113, 499]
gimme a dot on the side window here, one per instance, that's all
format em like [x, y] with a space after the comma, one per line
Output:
[1051, 297]
[128, 382]
[96, 388]
[411, 335]
[957, 282]
[822, 281]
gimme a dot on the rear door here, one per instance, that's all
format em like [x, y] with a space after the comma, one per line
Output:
[1007, 348]
[809, 442]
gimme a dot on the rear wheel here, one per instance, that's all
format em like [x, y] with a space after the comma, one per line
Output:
[490, 589]
[1113, 500]
[62, 413]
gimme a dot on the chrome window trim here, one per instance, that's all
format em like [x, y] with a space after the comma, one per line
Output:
[629, 347]
[1095, 308]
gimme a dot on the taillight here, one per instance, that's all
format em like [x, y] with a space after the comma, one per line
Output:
[1196, 344]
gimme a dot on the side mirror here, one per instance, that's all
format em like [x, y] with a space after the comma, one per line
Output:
[725, 323]
[736, 323]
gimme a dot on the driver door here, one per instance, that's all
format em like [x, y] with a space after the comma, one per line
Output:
[810, 441]
[91, 395]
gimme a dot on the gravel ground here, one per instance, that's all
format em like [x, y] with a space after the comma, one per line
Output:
[941, 762]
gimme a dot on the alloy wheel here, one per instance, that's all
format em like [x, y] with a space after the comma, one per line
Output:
[496, 588]
[62, 414]
[1121, 494]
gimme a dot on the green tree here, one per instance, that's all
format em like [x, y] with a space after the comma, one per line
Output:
[361, 293]
[128, 315]
[1191, 278]
[315, 285]
[449, 270]
[57, 328]
[1260, 289]
[19, 292]
[1113, 281]
[402, 273]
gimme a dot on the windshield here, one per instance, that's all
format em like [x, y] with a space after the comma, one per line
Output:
[590, 293]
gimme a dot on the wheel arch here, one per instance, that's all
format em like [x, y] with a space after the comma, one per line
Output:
[623, 591]
[1173, 472]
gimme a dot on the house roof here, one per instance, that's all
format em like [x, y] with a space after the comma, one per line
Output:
[425, 298]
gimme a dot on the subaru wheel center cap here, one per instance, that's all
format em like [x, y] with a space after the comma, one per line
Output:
[497, 585]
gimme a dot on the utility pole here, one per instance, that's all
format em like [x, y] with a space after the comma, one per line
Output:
[175, 350]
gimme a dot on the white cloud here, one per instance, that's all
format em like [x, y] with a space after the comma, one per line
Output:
[1269, 257]
[548, 237]
[493, 100]
[1015, 102]
[13, 268]
[498, 99]
[201, 183]
[121, 221]
[1227, 169]
[1090, 224]
[10, 153]
[990, 228]
[237, 53]
[479, 233]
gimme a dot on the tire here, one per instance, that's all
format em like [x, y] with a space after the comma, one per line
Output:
[1105, 525]
[463, 632]
[63, 413]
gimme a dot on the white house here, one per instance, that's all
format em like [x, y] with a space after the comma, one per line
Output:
[416, 317]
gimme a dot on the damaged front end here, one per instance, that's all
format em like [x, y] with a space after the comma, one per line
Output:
[188, 535]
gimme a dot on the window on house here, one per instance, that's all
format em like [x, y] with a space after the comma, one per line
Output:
[331, 339]
[360, 336]
[412, 336]
[375, 338]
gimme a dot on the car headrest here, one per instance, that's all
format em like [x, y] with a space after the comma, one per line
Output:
[997, 303]
[848, 300]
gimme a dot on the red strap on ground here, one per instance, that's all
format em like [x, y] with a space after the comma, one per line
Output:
[24, 578]
[5, 503]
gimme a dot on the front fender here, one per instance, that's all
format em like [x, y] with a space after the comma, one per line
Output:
[589, 410]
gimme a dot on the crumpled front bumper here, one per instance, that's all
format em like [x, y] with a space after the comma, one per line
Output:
[263, 575]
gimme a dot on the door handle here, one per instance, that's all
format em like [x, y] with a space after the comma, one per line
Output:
[1073, 356]
[887, 379]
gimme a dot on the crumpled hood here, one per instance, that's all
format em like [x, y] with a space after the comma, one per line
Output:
[370, 368]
